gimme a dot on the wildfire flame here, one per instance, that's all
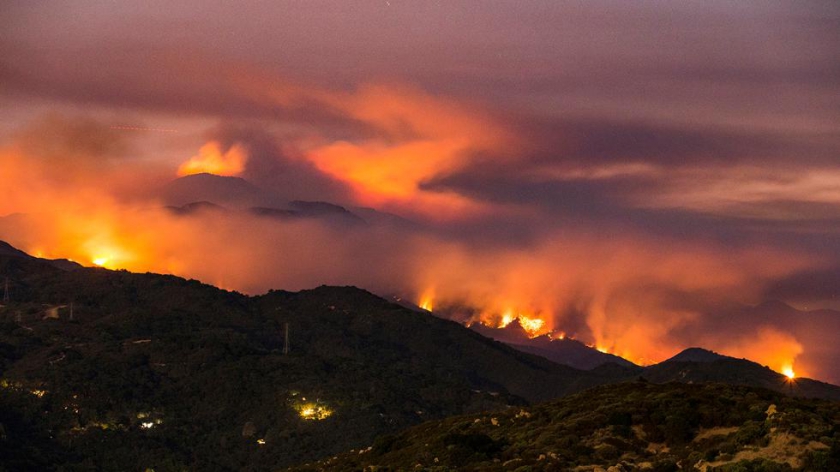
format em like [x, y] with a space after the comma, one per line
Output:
[107, 254]
[427, 301]
[531, 325]
[788, 372]
[507, 319]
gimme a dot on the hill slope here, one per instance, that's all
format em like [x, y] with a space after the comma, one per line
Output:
[113, 370]
[622, 427]
[169, 373]
[226, 191]
[563, 351]
[695, 365]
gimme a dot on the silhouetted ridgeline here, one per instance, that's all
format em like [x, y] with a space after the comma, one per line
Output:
[109, 370]
[157, 371]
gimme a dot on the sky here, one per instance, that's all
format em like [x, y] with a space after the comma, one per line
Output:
[644, 175]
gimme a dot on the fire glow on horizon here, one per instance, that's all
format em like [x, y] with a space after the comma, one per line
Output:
[779, 360]
[212, 160]
[605, 279]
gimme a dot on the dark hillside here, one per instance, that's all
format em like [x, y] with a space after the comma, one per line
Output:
[114, 370]
[625, 427]
[170, 373]
[700, 366]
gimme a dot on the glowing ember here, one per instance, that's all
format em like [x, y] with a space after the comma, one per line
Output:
[788, 372]
[261, 442]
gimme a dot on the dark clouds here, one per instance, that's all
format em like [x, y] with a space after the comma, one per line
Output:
[602, 141]
[813, 287]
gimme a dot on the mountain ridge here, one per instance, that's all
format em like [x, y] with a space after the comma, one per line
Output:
[561, 350]
[211, 366]
[153, 345]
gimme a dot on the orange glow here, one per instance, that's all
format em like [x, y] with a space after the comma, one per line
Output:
[427, 298]
[212, 160]
[390, 176]
[427, 301]
[532, 325]
[507, 319]
[771, 347]
[101, 261]
[602, 280]
[788, 372]
[420, 137]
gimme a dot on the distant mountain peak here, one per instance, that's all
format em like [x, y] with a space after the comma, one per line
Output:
[210, 176]
[697, 354]
[325, 211]
[317, 207]
[564, 351]
[774, 306]
[321, 209]
[218, 189]
[195, 207]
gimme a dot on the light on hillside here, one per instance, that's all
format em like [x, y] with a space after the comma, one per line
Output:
[426, 304]
[788, 372]
[314, 411]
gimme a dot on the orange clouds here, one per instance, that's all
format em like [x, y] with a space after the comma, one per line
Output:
[614, 290]
[389, 176]
[425, 137]
[412, 137]
[620, 290]
[212, 160]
